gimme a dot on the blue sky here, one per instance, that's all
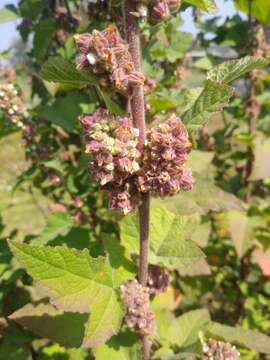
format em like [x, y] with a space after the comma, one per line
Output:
[8, 30]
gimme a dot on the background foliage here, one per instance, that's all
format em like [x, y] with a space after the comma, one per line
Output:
[47, 197]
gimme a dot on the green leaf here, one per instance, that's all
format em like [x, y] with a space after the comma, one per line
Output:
[182, 331]
[48, 322]
[212, 99]
[232, 70]
[59, 223]
[59, 70]
[7, 15]
[250, 339]
[64, 111]
[31, 9]
[204, 197]
[242, 230]
[76, 282]
[44, 32]
[206, 5]
[260, 9]
[261, 168]
[200, 161]
[110, 103]
[170, 235]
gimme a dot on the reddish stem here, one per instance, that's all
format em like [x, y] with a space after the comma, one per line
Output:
[138, 116]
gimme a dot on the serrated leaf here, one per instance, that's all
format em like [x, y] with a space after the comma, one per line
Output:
[7, 15]
[250, 339]
[59, 223]
[59, 70]
[76, 282]
[260, 167]
[170, 235]
[204, 197]
[212, 99]
[232, 70]
[206, 5]
[48, 322]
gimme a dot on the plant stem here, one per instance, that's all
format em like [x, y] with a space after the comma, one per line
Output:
[138, 116]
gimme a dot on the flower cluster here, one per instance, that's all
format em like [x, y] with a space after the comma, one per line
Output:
[11, 104]
[120, 168]
[164, 172]
[112, 142]
[158, 280]
[139, 315]
[219, 350]
[161, 9]
[105, 52]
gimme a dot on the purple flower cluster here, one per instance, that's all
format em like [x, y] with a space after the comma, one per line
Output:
[105, 52]
[164, 172]
[121, 169]
[139, 314]
[158, 280]
[112, 142]
[12, 105]
[219, 350]
[161, 9]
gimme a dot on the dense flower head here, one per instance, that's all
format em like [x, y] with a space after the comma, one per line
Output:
[112, 142]
[105, 52]
[11, 104]
[125, 198]
[139, 314]
[164, 172]
[219, 350]
[158, 279]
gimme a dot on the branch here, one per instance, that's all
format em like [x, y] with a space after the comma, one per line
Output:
[138, 116]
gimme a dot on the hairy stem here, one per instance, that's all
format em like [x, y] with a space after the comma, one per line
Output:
[138, 116]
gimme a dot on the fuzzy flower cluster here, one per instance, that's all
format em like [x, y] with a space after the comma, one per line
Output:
[164, 172]
[11, 104]
[125, 172]
[161, 9]
[158, 280]
[106, 53]
[219, 350]
[112, 143]
[139, 314]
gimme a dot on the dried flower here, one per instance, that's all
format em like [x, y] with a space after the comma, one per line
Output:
[164, 172]
[219, 350]
[139, 314]
[107, 53]
[158, 279]
[174, 4]
[160, 10]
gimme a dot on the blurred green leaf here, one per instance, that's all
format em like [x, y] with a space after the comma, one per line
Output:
[7, 15]
[260, 167]
[206, 5]
[251, 339]
[260, 9]
[44, 32]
